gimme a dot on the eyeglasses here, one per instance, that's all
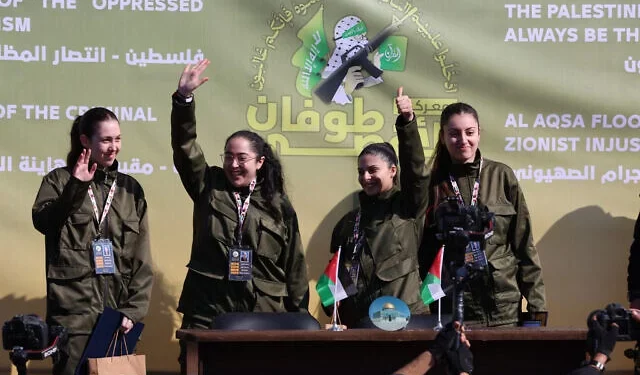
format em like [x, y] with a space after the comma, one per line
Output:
[241, 159]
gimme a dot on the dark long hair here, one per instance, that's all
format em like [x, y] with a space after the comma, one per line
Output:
[441, 159]
[86, 125]
[386, 152]
[270, 175]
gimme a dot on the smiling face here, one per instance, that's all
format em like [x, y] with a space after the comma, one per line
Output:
[105, 143]
[240, 162]
[461, 136]
[375, 174]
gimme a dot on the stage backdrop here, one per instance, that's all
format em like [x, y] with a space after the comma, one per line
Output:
[556, 86]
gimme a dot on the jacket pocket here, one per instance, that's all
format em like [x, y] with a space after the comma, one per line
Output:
[130, 232]
[396, 267]
[406, 233]
[78, 233]
[122, 287]
[271, 239]
[271, 288]
[503, 214]
[505, 285]
[69, 290]
[221, 223]
[220, 230]
[400, 278]
[66, 261]
[392, 241]
[67, 272]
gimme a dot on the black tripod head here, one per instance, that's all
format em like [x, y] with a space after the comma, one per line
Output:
[463, 230]
[28, 337]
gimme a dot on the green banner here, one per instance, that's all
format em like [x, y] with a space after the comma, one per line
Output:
[555, 86]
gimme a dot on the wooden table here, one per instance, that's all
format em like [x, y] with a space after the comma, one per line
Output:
[370, 351]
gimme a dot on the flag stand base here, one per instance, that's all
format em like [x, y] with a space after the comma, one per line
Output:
[335, 327]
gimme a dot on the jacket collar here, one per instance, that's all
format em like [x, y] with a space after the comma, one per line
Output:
[106, 174]
[366, 200]
[224, 200]
[244, 190]
[467, 169]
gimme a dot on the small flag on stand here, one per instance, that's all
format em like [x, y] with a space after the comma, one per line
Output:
[335, 284]
[432, 285]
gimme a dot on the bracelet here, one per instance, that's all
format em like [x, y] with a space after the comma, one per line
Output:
[181, 96]
[596, 364]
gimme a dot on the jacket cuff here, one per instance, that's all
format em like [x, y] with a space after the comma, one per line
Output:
[74, 192]
[401, 122]
[181, 100]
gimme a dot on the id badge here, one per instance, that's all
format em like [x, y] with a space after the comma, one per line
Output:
[102, 250]
[240, 263]
[353, 267]
[475, 255]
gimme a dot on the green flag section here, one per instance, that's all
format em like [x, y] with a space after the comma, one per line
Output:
[332, 289]
[358, 29]
[394, 53]
[432, 286]
[310, 57]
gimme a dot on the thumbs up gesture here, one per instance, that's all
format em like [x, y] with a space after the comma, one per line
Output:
[403, 103]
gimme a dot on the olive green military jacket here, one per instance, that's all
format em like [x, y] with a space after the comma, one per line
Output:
[514, 267]
[279, 268]
[392, 224]
[64, 214]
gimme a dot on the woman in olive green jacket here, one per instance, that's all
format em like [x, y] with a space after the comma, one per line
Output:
[246, 253]
[380, 239]
[85, 201]
[513, 271]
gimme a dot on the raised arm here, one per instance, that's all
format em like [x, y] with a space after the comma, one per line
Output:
[57, 199]
[188, 157]
[413, 172]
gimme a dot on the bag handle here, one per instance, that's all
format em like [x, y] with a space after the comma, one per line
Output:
[114, 343]
[124, 341]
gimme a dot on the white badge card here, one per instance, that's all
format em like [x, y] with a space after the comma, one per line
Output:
[103, 260]
[240, 263]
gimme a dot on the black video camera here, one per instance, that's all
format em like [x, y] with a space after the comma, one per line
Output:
[28, 331]
[455, 220]
[459, 224]
[628, 328]
[29, 337]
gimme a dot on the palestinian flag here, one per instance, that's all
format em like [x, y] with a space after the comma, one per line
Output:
[331, 288]
[432, 285]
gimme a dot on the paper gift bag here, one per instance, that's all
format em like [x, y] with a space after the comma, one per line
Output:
[131, 364]
[123, 364]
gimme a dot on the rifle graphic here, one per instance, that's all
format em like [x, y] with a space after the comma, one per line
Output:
[327, 88]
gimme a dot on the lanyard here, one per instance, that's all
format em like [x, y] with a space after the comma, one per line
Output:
[107, 205]
[353, 266]
[243, 208]
[356, 235]
[476, 188]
